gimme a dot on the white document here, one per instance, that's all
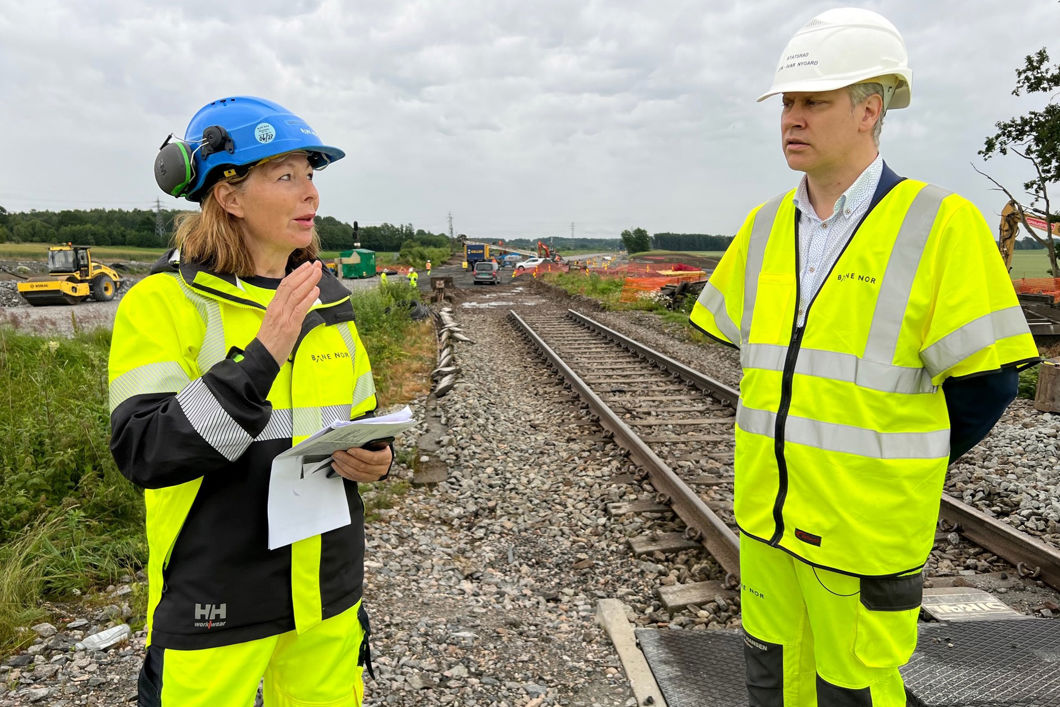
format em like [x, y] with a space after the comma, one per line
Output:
[303, 502]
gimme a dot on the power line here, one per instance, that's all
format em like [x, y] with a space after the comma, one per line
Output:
[160, 230]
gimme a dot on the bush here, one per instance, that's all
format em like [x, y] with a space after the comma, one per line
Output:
[68, 519]
[417, 254]
[55, 424]
[1028, 385]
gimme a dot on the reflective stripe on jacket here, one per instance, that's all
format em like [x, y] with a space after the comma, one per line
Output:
[199, 408]
[842, 432]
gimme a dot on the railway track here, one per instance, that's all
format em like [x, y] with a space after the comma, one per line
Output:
[676, 423]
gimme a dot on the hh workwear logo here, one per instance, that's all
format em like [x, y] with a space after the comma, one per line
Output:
[853, 276]
[207, 615]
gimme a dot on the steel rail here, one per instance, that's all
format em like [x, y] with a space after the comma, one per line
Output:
[1029, 554]
[718, 389]
[1024, 551]
[715, 535]
[1019, 548]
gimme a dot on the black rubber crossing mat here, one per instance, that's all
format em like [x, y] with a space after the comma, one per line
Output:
[986, 664]
[972, 664]
[696, 668]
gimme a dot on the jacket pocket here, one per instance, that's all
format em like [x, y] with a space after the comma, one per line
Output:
[887, 620]
[774, 309]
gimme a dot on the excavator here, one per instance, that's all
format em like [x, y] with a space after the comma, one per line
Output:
[1009, 229]
[1039, 305]
[543, 251]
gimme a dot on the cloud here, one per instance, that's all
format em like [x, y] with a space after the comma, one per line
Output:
[518, 118]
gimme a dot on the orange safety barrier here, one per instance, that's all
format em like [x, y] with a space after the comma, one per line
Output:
[1039, 286]
[636, 288]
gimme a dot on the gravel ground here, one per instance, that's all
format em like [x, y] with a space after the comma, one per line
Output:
[1013, 474]
[482, 589]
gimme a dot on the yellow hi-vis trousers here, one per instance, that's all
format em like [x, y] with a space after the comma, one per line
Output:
[813, 637]
[317, 668]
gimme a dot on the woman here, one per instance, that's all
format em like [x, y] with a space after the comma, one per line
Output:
[237, 346]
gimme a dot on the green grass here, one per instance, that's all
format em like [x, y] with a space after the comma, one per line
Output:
[68, 519]
[660, 253]
[607, 290]
[1030, 263]
[575, 252]
[382, 494]
[39, 251]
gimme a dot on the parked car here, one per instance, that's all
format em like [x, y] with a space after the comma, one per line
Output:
[529, 263]
[486, 272]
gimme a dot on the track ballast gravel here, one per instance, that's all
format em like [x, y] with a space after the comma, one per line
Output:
[482, 589]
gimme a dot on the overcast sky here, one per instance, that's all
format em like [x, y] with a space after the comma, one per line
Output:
[518, 117]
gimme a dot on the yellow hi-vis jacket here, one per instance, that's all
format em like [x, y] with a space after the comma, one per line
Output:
[199, 408]
[842, 430]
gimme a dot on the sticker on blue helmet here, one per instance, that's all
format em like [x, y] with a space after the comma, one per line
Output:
[264, 132]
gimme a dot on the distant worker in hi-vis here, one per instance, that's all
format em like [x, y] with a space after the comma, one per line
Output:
[414, 278]
[382, 277]
[880, 339]
[236, 346]
[427, 265]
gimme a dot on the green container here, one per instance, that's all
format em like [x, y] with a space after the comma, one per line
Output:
[357, 263]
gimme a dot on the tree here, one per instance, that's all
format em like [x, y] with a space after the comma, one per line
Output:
[1036, 138]
[636, 241]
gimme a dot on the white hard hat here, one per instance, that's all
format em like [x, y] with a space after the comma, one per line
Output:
[842, 47]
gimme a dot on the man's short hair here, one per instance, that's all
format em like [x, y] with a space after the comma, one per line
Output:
[859, 92]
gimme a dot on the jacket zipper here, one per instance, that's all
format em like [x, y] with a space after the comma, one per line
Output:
[788, 376]
[779, 428]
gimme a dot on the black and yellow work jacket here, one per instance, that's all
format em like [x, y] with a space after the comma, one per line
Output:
[199, 409]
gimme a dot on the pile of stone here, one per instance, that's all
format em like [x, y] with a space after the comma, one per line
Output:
[9, 296]
[91, 660]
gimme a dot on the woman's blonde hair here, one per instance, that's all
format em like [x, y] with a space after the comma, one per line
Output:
[214, 238]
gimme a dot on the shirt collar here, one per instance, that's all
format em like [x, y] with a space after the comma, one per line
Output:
[852, 200]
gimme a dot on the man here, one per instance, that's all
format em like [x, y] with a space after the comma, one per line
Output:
[413, 278]
[879, 338]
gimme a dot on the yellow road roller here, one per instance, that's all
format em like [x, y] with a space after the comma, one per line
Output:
[72, 277]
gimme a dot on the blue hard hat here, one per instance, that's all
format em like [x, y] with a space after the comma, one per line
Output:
[236, 132]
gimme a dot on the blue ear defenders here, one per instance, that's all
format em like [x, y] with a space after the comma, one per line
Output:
[175, 162]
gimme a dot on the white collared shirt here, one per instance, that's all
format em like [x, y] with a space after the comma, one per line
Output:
[821, 241]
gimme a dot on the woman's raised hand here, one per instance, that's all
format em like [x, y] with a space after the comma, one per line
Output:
[283, 318]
